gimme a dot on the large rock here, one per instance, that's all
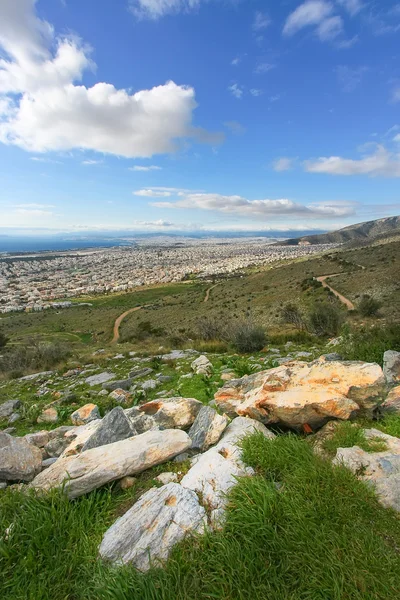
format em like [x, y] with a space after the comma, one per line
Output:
[140, 372]
[202, 366]
[172, 413]
[115, 426]
[214, 473]
[380, 469]
[39, 438]
[85, 414]
[19, 461]
[207, 428]
[99, 378]
[8, 407]
[392, 402]
[145, 535]
[122, 384]
[81, 474]
[391, 367]
[73, 441]
[302, 393]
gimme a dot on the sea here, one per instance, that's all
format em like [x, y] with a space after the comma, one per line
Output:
[12, 245]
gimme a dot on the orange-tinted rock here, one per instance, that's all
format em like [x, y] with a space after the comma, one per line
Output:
[85, 414]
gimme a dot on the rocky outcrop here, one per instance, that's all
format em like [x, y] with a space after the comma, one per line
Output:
[85, 414]
[380, 469]
[207, 428]
[391, 367]
[115, 426]
[392, 402]
[299, 393]
[145, 535]
[19, 461]
[171, 413]
[89, 470]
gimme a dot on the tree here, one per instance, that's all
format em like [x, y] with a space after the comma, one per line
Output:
[291, 314]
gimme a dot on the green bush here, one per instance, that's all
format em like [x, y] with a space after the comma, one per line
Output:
[3, 340]
[369, 344]
[325, 319]
[291, 314]
[246, 337]
[368, 306]
[34, 355]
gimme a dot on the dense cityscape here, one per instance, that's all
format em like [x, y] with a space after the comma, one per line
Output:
[43, 281]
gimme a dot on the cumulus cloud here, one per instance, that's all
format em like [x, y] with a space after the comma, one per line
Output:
[145, 169]
[282, 164]
[261, 21]
[43, 109]
[236, 90]
[380, 163]
[258, 208]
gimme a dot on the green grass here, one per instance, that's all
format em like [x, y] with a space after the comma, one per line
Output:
[370, 343]
[347, 435]
[300, 529]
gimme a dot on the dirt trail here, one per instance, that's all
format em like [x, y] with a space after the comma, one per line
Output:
[119, 320]
[322, 279]
[207, 296]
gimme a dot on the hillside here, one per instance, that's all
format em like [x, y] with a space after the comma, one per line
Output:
[359, 232]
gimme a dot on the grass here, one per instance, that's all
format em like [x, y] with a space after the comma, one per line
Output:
[349, 434]
[370, 343]
[300, 529]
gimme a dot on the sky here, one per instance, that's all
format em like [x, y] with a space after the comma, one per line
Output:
[184, 115]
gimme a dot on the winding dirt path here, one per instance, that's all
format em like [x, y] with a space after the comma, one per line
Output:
[322, 279]
[207, 296]
[119, 320]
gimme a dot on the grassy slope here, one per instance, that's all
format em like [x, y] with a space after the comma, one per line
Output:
[299, 530]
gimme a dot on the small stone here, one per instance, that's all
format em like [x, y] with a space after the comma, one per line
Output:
[102, 393]
[3, 485]
[49, 415]
[202, 366]
[85, 414]
[123, 384]
[48, 462]
[14, 418]
[19, 461]
[149, 385]
[39, 438]
[169, 477]
[228, 376]
[121, 396]
[182, 457]
[127, 482]
[164, 378]
[7, 408]
[391, 367]
[99, 378]
[140, 372]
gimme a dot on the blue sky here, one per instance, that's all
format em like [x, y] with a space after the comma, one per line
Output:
[168, 115]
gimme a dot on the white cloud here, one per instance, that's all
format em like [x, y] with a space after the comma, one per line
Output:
[33, 212]
[236, 90]
[255, 92]
[282, 164]
[380, 163]
[235, 127]
[261, 21]
[256, 208]
[155, 9]
[235, 61]
[396, 94]
[145, 169]
[353, 7]
[397, 138]
[350, 78]
[348, 43]
[42, 109]
[153, 193]
[264, 68]
[329, 29]
[92, 162]
[45, 160]
[311, 12]
[34, 205]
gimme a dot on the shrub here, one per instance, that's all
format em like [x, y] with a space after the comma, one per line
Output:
[369, 344]
[3, 340]
[210, 328]
[291, 314]
[33, 356]
[368, 306]
[325, 319]
[245, 336]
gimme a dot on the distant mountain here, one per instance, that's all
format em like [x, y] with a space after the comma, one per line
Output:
[354, 233]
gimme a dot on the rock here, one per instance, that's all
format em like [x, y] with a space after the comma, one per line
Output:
[145, 535]
[102, 393]
[14, 418]
[8, 407]
[99, 378]
[127, 482]
[165, 478]
[177, 355]
[39, 438]
[3, 485]
[121, 396]
[48, 462]
[332, 356]
[172, 413]
[85, 414]
[115, 426]
[60, 432]
[392, 402]
[182, 457]
[122, 384]
[380, 469]
[144, 423]
[56, 447]
[305, 393]
[19, 461]
[49, 415]
[150, 384]
[202, 366]
[9, 430]
[228, 376]
[207, 428]
[67, 397]
[81, 474]
[215, 472]
[42, 375]
[391, 367]
[303, 354]
[75, 439]
[140, 372]
[164, 378]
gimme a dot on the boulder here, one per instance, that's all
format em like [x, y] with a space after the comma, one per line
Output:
[99, 378]
[171, 413]
[39, 438]
[380, 469]
[145, 535]
[392, 402]
[8, 407]
[74, 440]
[391, 367]
[207, 428]
[85, 414]
[81, 474]
[19, 461]
[150, 384]
[140, 372]
[301, 393]
[121, 396]
[48, 415]
[122, 384]
[202, 366]
[115, 426]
